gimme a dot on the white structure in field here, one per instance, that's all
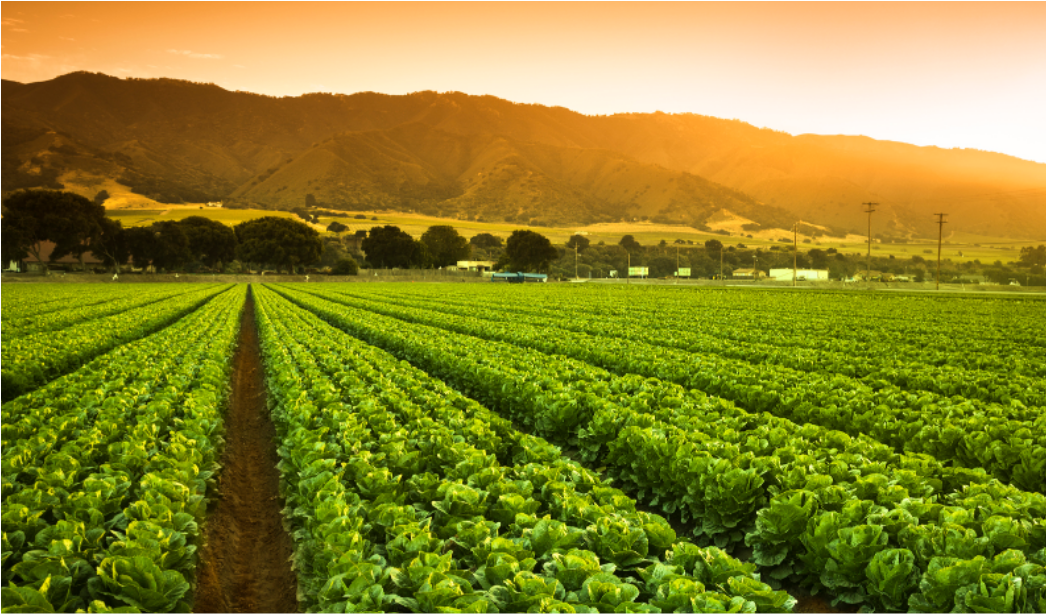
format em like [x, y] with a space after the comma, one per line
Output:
[801, 275]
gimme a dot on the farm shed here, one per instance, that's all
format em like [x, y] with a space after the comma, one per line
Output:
[801, 274]
[749, 273]
[519, 278]
[32, 265]
[475, 265]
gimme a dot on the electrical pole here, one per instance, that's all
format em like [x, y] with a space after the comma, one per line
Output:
[868, 254]
[755, 272]
[794, 255]
[941, 222]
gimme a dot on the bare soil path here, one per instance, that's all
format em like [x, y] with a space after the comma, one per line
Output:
[245, 562]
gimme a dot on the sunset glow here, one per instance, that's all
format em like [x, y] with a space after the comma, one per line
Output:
[948, 74]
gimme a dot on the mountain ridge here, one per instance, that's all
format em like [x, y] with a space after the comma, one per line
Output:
[460, 155]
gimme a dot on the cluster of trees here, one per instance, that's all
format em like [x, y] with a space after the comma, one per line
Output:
[79, 226]
[391, 247]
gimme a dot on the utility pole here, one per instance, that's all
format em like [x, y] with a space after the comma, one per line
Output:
[576, 260]
[941, 222]
[794, 255]
[868, 254]
[628, 265]
[755, 271]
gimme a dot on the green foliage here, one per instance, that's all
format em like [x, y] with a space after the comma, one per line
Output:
[124, 539]
[210, 241]
[389, 247]
[526, 250]
[485, 240]
[630, 243]
[68, 220]
[345, 266]
[578, 241]
[278, 241]
[445, 245]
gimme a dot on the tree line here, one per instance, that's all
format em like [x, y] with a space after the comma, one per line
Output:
[78, 226]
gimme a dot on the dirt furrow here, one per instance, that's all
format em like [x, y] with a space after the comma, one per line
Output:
[245, 562]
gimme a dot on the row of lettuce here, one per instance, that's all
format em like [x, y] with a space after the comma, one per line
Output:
[77, 310]
[32, 360]
[106, 470]
[834, 513]
[25, 300]
[1008, 440]
[698, 328]
[407, 496]
[995, 334]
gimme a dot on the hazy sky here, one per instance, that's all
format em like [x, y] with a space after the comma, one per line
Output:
[939, 73]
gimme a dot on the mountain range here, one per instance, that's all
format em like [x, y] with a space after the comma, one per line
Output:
[480, 157]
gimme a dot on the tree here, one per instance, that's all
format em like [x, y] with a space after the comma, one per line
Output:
[630, 243]
[390, 247]
[69, 220]
[278, 241]
[111, 245]
[445, 245]
[170, 246]
[713, 248]
[345, 266]
[337, 227]
[526, 250]
[485, 240]
[819, 259]
[662, 266]
[101, 197]
[1031, 256]
[310, 201]
[578, 241]
[138, 240]
[210, 241]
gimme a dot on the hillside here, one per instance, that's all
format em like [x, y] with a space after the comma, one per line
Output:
[480, 157]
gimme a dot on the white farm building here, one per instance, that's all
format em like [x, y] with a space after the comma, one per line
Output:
[801, 275]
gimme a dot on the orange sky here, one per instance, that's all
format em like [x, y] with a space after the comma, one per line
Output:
[946, 74]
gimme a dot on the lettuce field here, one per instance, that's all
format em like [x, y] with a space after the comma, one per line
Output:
[485, 448]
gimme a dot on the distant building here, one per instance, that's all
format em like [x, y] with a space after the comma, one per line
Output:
[215, 204]
[750, 274]
[519, 278]
[475, 265]
[31, 264]
[801, 274]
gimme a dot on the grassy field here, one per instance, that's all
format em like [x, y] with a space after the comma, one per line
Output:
[959, 247]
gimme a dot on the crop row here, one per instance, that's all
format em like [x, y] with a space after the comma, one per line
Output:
[33, 299]
[74, 314]
[105, 471]
[32, 361]
[1007, 441]
[406, 495]
[832, 512]
[823, 322]
[884, 371]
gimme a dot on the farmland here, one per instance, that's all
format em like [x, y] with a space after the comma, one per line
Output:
[485, 448]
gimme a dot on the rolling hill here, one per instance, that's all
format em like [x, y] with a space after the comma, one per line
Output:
[480, 157]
